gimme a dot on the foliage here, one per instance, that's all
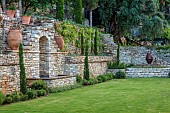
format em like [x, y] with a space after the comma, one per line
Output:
[169, 75]
[77, 35]
[60, 10]
[143, 14]
[96, 38]
[41, 92]
[79, 79]
[32, 94]
[23, 82]
[166, 47]
[114, 65]
[39, 85]
[98, 79]
[78, 11]
[118, 54]
[34, 4]
[8, 100]
[11, 7]
[2, 98]
[166, 33]
[24, 98]
[86, 65]
[120, 75]
[64, 88]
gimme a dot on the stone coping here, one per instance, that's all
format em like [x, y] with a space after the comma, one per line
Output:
[59, 77]
[26, 51]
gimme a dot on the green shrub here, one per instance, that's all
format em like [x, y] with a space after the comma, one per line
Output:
[120, 75]
[100, 79]
[86, 82]
[64, 88]
[110, 76]
[41, 92]
[114, 65]
[16, 96]
[8, 100]
[169, 75]
[79, 79]
[24, 97]
[32, 94]
[2, 98]
[39, 85]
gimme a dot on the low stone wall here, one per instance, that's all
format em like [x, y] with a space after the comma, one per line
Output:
[55, 82]
[142, 72]
[97, 65]
[147, 72]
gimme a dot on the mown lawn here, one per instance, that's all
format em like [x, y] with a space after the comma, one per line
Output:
[143, 95]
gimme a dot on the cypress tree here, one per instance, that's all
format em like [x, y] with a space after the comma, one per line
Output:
[23, 82]
[86, 65]
[82, 42]
[78, 11]
[60, 10]
[118, 54]
[95, 42]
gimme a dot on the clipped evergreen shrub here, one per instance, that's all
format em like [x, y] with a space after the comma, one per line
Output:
[120, 75]
[86, 65]
[24, 97]
[23, 81]
[2, 98]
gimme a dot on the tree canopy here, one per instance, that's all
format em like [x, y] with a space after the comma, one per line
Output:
[128, 14]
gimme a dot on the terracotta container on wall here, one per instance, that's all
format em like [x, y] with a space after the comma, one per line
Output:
[26, 19]
[149, 58]
[10, 13]
[59, 41]
[14, 38]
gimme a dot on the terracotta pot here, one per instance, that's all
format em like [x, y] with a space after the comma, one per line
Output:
[149, 58]
[10, 13]
[59, 41]
[14, 38]
[26, 19]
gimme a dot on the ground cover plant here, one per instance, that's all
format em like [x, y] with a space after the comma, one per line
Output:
[144, 95]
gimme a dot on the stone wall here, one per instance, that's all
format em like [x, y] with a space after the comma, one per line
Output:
[142, 72]
[97, 65]
[147, 72]
[9, 73]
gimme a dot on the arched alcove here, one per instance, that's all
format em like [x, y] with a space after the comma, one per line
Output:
[44, 57]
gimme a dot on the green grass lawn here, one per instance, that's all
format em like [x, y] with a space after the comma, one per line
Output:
[144, 95]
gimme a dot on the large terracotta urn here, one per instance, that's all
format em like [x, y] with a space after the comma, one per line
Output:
[14, 38]
[26, 19]
[149, 58]
[10, 13]
[59, 41]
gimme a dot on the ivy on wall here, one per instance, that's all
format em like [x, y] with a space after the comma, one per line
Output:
[77, 35]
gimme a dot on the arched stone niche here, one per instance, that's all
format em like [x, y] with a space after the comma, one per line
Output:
[44, 57]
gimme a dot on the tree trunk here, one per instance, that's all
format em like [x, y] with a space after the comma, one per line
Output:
[91, 16]
[20, 7]
[3, 5]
